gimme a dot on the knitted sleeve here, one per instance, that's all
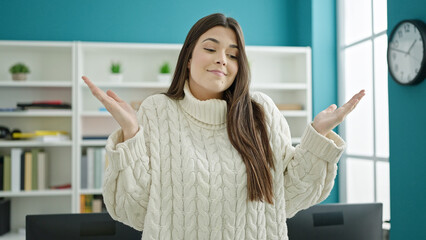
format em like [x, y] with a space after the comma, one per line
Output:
[127, 178]
[309, 168]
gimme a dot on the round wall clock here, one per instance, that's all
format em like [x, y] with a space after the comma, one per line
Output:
[407, 52]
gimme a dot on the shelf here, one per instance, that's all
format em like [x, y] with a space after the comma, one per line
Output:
[35, 84]
[279, 86]
[91, 191]
[96, 114]
[294, 113]
[154, 85]
[30, 143]
[94, 143]
[36, 193]
[38, 113]
[12, 236]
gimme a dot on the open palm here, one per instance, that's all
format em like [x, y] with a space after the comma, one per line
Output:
[121, 111]
[329, 118]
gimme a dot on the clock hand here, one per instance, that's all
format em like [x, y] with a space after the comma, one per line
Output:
[398, 50]
[408, 52]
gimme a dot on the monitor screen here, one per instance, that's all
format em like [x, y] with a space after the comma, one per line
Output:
[87, 226]
[337, 221]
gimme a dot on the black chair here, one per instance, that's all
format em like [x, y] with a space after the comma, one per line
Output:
[87, 226]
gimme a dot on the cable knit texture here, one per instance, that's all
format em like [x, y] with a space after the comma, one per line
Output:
[180, 177]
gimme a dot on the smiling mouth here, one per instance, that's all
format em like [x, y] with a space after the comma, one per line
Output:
[219, 73]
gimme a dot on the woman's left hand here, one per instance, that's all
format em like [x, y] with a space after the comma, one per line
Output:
[329, 118]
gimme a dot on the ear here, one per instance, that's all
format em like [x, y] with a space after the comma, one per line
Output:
[189, 63]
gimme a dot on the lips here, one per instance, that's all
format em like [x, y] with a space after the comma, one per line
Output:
[217, 72]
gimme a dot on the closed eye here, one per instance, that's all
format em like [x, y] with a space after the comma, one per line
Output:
[209, 50]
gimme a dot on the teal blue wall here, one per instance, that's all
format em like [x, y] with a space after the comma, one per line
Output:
[324, 67]
[407, 124]
[272, 22]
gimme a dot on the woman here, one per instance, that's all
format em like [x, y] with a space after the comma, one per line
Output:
[209, 159]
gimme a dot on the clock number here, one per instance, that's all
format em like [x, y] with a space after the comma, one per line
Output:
[407, 27]
[400, 34]
[395, 44]
[416, 70]
[396, 67]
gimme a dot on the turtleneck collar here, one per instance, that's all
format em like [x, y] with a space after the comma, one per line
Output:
[210, 112]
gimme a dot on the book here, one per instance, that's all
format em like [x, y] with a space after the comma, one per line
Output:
[289, 106]
[22, 181]
[26, 106]
[1, 172]
[28, 171]
[97, 205]
[90, 152]
[98, 168]
[7, 173]
[42, 170]
[34, 167]
[62, 186]
[83, 172]
[82, 203]
[15, 155]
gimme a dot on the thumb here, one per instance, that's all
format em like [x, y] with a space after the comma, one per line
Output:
[114, 96]
[331, 108]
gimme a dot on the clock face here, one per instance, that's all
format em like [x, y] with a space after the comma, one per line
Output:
[406, 53]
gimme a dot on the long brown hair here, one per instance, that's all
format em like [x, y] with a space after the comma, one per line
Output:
[245, 118]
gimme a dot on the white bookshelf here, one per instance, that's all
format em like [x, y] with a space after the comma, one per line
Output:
[283, 73]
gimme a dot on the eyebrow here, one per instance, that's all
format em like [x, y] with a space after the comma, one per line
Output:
[216, 41]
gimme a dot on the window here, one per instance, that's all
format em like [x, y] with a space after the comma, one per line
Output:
[362, 64]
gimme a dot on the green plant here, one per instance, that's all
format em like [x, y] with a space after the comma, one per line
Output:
[19, 68]
[115, 68]
[165, 68]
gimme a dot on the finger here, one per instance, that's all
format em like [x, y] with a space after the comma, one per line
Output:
[114, 96]
[331, 108]
[97, 92]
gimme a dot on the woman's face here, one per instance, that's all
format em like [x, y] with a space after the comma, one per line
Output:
[214, 65]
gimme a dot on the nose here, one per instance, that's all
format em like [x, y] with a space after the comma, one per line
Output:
[221, 59]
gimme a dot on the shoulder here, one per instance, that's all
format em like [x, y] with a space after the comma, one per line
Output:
[155, 101]
[264, 100]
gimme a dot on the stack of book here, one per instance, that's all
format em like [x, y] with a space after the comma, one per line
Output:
[43, 136]
[23, 170]
[92, 168]
[92, 204]
[51, 104]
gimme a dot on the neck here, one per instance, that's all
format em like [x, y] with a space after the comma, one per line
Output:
[201, 93]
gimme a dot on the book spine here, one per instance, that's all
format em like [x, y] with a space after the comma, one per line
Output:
[1, 172]
[16, 169]
[28, 171]
[34, 167]
[7, 172]
[90, 167]
[42, 170]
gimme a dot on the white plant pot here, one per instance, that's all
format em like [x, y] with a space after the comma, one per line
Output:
[116, 78]
[19, 76]
[164, 77]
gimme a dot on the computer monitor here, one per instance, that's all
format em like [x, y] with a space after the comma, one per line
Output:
[87, 226]
[337, 221]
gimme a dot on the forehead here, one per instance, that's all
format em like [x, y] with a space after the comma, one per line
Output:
[224, 35]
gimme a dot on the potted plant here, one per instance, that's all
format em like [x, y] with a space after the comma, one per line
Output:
[164, 75]
[116, 75]
[19, 71]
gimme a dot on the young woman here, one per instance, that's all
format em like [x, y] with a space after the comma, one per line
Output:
[209, 159]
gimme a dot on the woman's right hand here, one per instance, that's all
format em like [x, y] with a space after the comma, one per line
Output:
[122, 112]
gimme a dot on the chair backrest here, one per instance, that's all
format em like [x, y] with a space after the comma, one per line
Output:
[87, 226]
[337, 221]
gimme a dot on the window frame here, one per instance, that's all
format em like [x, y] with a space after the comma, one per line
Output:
[341, 47]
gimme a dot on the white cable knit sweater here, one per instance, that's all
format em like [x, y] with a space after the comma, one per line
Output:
[180, 177]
